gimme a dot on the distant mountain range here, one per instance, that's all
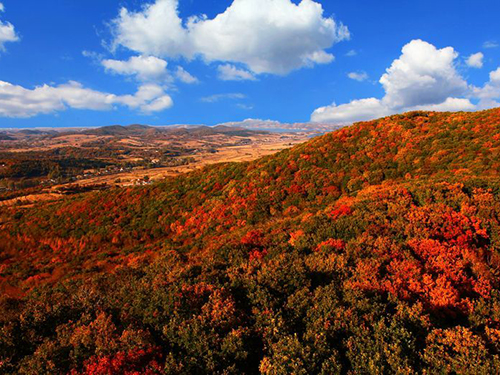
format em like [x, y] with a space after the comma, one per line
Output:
[276, 125]
[136, 130]
[139, 130]
[145, 130]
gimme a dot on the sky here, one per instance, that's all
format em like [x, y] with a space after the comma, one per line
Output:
[85, 63]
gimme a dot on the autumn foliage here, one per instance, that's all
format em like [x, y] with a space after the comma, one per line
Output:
[373, 249]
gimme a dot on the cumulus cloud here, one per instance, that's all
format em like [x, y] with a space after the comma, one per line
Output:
[229, 72]
[489, 94]
[495, 76]
[449, 105]
[157, 105]
[144, 67]
[475, 60]
[184, 76]
[7, 31]
[268, 36]
[358, 76]
[357, 110]
[17, 101]
[423, 77]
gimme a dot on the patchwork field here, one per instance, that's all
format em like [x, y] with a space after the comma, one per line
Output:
[48, 165]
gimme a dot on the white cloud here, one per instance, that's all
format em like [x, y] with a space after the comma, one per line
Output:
[449, 105]
[268, 36]
[218, 97]
[490, 44]
[489, 94]
[357, 110]
[94, 56]
[145, 94]
[246, 107]
[351, 53]
[158, 104]
[318, 57]
[423, 77]
[17, 101]
[144, 67]
[229, 72]
[358, 76]
[7, 32]
[495, 76]
[156, 30]
[475, 60]
[184, 76]
[74, 95]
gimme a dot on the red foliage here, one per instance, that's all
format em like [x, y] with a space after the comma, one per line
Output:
[257, 255]
[252, 238]
[295, 236]
[340, 211]
[136, 362]
[446, 267]
[331, 244]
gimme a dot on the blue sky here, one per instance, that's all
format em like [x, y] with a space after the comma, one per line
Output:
[83, 63]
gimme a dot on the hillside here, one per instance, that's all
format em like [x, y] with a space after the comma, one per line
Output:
[373, 249]
[5, 137]
[150, 131]
[119, 130]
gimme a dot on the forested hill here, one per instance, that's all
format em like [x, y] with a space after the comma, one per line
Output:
[373, 249]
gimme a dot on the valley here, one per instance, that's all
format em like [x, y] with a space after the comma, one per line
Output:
[38, 165]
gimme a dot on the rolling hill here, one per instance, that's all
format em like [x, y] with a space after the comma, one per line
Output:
[5, 137]
[372, 249]
[151, 131]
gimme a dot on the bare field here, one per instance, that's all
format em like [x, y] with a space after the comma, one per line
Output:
[223, 155]
[29, 200]
[203, 150]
